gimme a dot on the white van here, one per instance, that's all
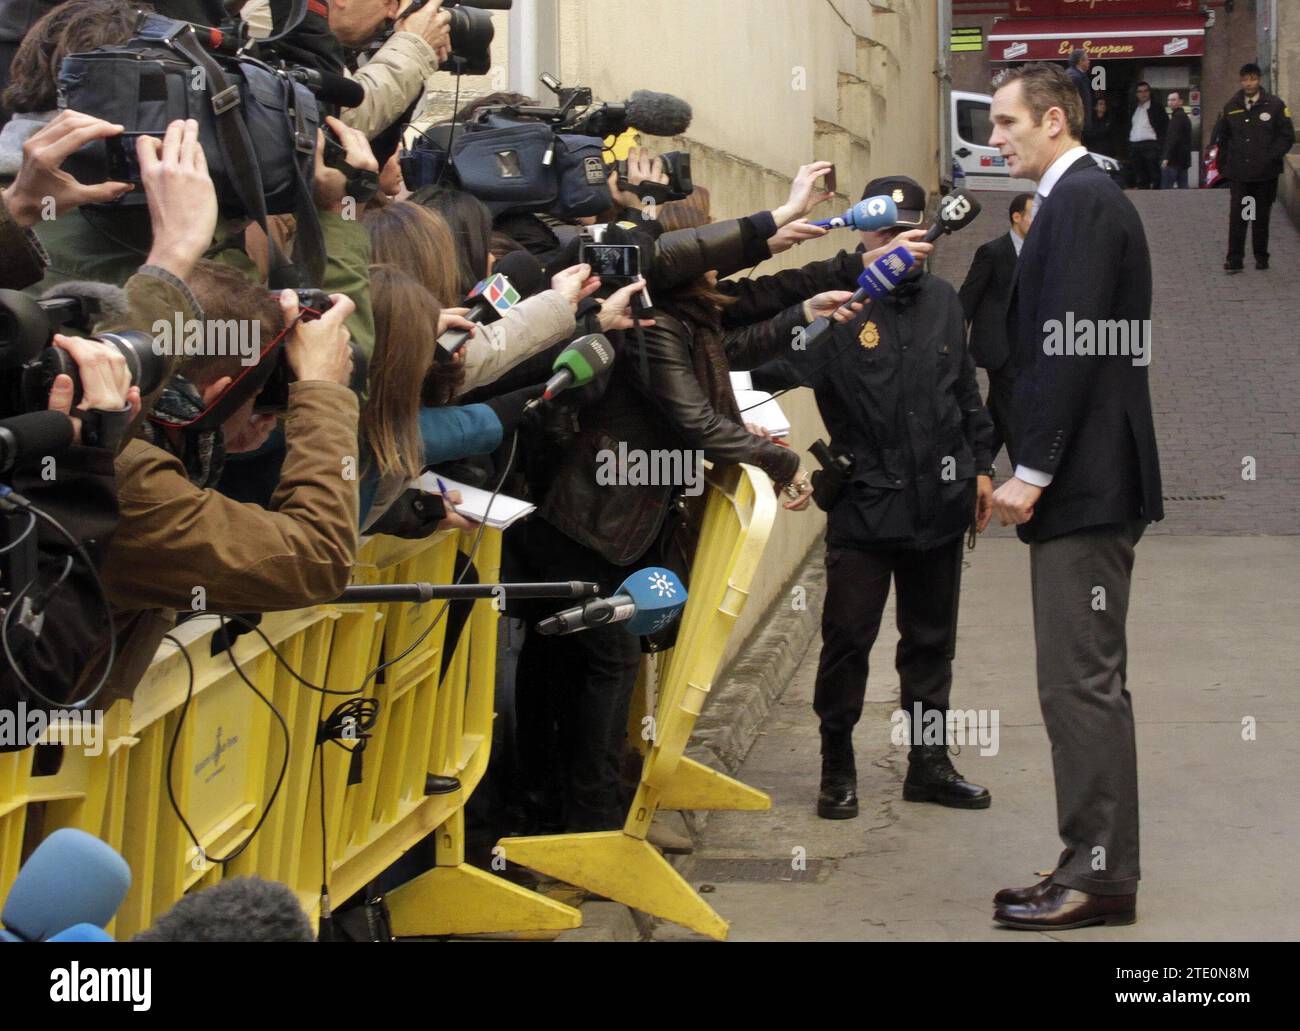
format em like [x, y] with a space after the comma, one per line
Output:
[982, 165]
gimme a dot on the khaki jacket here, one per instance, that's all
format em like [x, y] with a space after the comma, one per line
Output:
[392, 78]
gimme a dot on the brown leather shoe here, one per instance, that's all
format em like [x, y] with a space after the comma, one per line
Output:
[1019, 896]
[1060, 908]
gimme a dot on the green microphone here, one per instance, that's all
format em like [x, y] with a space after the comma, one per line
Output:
[579, 363]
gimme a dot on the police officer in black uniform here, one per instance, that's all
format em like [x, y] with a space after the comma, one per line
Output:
[896, 388]
[1254, 134]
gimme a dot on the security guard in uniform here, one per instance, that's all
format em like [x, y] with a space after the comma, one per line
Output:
[896, 388]
[1254, 134]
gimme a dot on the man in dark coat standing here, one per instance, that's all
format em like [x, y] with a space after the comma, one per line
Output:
[1177, 157]
[1086, 484]
[1254, 134]
[1146, 133]
[984, 296]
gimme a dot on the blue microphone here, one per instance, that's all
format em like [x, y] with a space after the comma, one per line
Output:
[647, 601]
[866, 216]
[81, 933]
[882, 276]
[878, 280]
[72, 878]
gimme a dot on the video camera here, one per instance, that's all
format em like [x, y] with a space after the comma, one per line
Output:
[471, 34]
[27, 328]
[257, 123]
[531, 158]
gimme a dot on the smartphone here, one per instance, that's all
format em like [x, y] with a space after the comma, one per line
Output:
[611, 260]
[829, 180]
[123, 163]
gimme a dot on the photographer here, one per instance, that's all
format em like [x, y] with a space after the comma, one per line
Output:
[48, 650]
[183, 545]
[396, 75]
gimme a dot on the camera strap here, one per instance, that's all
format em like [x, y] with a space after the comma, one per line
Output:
[237, 149]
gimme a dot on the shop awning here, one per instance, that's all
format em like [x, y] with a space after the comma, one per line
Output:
[1105, 39]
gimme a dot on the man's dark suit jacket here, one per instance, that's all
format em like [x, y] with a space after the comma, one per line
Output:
[1178, 140]
[984, 297]
[1084, 419]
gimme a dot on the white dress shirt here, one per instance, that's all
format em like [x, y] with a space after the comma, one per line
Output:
[1141, 128]
[1045, 185]
[1017, 241]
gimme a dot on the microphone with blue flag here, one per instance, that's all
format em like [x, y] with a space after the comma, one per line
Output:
[647, 601]
[71, 879]
[866, 216]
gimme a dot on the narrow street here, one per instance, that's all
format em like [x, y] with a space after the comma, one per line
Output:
[1214, 651]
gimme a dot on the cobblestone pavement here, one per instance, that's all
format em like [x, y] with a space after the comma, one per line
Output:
[1225, 362]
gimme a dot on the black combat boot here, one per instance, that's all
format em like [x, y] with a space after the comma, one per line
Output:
[838, 799]
[932, 778]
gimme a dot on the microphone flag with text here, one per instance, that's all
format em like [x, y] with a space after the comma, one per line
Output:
[647, 601]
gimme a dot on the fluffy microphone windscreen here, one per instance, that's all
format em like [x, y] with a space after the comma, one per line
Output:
[113, 305]
[37, 434]
[240, 909]
[71, 878]
[657, 114]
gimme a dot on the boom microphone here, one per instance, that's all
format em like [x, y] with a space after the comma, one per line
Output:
[32, 434]
[657, 114]
[956, 211]
[647, 601]
[492, 297]
[71, 878]
[238, 909]
[866, 216]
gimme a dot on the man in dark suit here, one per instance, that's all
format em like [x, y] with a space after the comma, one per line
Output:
[1177, 157]
[1086, 484]
[984, 297]
[1146, 134]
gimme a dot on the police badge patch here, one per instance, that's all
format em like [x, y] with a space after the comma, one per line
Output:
[869, 335]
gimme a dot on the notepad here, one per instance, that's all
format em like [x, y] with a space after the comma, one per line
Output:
[504, 511]
[759, 407]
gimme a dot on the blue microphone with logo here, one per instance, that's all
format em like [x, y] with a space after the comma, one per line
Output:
[866, 216]
[647, 601]
[878, 280]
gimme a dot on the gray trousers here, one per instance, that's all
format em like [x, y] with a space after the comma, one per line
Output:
[1080, 596]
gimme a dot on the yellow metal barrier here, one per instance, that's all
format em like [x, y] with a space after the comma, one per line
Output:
[622, 865]
[230, 747]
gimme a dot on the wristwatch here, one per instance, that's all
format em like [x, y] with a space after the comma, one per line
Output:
[990, 472]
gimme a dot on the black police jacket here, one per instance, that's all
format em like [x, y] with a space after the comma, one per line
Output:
[1255, 141]
[896, 388]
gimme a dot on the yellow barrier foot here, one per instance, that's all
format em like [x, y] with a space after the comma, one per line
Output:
[466, 900]
[621, 868]
[694, 786]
